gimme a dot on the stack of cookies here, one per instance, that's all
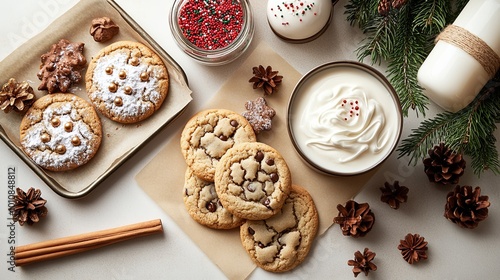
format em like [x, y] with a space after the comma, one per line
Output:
[234, 181]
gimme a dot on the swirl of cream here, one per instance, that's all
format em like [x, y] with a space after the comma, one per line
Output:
[344, 119]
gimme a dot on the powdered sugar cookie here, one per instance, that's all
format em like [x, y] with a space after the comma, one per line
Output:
[127, 82]
[61, 131]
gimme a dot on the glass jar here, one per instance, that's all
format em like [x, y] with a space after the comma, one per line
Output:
[189, 14]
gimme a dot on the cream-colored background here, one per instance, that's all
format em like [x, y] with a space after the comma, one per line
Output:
[454, 253]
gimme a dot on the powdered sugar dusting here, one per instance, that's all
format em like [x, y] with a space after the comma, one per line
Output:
[44, 154]
[144, 95]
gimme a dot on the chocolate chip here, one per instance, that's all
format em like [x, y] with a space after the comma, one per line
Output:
[267, 201]
[211, 206]
[274, 177]
[261, 245]
[270, 161]
[234, 123]
[259, 156]
[186, 192]
[223, 137]
[251, 231]
[251, 188]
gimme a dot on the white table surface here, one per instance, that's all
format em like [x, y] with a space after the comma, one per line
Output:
[454, 253]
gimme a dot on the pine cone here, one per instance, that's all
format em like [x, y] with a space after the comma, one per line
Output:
[394, 197]
[413, 248]
[355, 219]
[17, 96]
[362, 262]
[384, 7]
[396, 4]
[28, 206]
[465, 207]
[443, 165]
[266, 79]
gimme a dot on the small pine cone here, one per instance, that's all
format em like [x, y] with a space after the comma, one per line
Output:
[413, 248]
[16, 96]
[396, 4]
[443, 165]
[355, 219]
[384, 7]
[394, 195]
[466, 207]
[28, 206]
[362, 262]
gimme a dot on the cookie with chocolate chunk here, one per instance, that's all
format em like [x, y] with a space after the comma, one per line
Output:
[283, 241]
[127, 82]
[203, 205]
[208, 135]
[252, 180]
[61, 131]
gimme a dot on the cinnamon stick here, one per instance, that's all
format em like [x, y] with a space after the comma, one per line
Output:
[60, 247]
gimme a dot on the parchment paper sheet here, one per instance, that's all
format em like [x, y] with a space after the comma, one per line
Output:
[118, 139]
[163, 177]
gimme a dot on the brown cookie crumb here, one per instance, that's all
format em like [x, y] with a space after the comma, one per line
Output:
[259, 115]
[60, 67]
[103, 29]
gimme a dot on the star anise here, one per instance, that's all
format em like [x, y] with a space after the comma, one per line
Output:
[16, 96]
[355, 219]
[28, 206]
[266, 79]
[413, 248]
[363, 262]
[394, 194]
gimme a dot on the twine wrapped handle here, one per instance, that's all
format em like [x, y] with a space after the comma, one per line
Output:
[472, 45]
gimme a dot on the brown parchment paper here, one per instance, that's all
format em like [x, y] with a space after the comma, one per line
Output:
[118, 139]
[224, 247]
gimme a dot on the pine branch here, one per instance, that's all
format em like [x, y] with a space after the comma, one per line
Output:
[360, 11]
[431, 16]
[380, 41]
[469, 131]
[409, 53]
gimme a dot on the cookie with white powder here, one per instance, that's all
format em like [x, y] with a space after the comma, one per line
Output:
[283, 241]
[127, 82]
[252, 180]
[208, 135]
[203, 205]
[61, 131]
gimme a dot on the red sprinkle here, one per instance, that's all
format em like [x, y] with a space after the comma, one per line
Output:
[211, 24]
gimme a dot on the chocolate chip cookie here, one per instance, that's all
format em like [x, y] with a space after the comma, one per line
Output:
[203, 205]
[283, 241]
[252, 180]
[208, 135]
[61, 131]
[127, 82]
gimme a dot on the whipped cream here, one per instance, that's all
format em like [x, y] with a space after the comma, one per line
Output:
[298, 19]
[345, 120]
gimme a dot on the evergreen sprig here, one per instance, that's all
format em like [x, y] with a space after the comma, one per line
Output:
[468, 131]
[403, 38]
